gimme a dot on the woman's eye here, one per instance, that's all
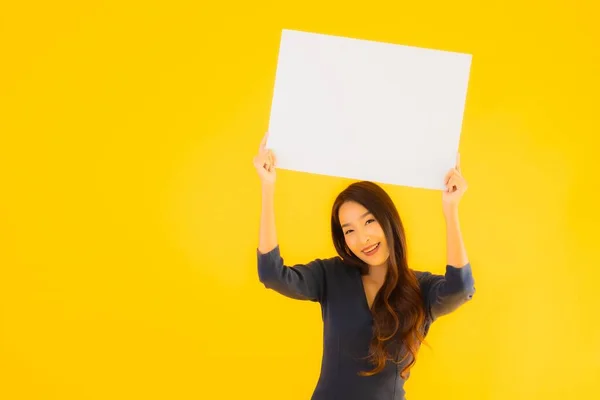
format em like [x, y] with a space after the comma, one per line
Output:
[348, 231]
[371, 220]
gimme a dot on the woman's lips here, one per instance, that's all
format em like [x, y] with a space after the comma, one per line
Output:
[371, 250]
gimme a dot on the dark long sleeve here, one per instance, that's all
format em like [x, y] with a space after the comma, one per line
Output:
[300, 281]
[446, 293]
[348, 321]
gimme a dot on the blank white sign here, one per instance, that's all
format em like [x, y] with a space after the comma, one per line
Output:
[367, 110]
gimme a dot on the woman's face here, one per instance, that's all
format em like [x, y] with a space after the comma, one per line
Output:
[363, 234]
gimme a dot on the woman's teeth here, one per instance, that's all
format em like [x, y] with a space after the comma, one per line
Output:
[371, 249]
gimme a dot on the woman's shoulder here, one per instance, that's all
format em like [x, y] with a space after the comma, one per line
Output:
[336, 269]
[336, 265]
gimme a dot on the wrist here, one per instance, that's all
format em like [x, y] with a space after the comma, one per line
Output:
[451, 213]
[267, 188]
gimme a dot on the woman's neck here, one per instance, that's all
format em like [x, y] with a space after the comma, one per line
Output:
[377, 273]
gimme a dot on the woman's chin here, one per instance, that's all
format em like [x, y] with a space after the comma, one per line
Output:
[377, 262]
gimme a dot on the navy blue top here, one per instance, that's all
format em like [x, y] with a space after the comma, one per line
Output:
[347, 319]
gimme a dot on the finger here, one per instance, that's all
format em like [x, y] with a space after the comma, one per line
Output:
[261, 160]
[274, 160]
[257, 161]
[452, 183]
[263, 142]
[447, 177]
[460, 183]
[270, 167]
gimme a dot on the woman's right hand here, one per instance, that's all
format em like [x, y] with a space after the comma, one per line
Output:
[265, 163]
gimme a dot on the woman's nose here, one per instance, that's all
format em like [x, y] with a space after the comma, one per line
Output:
[365, 239]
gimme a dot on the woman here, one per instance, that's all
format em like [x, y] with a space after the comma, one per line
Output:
[376, 310]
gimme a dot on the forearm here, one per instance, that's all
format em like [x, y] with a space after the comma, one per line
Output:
[456, 254]
[268, 234]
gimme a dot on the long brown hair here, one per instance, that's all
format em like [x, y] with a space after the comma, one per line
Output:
[398, 308]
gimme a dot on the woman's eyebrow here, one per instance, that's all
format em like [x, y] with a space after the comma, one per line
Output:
[361, 217]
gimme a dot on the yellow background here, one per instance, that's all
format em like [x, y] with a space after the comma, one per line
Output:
[129, 206]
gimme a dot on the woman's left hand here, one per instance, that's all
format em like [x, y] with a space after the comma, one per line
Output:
[456, 186]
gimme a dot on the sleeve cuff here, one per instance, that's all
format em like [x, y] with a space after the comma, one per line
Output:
[274, 253]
